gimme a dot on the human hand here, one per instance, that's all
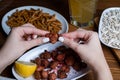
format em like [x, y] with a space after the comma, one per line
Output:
[16, 44]
[87, 45]
[88, 49]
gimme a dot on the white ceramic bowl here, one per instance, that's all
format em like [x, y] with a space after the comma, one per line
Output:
[59, 17]
[109, 27]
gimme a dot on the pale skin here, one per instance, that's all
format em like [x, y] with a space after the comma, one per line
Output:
[91, 51]
[16, 45]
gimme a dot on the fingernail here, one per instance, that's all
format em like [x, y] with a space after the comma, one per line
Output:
[61, 39]
[34, 36]
[46, 40]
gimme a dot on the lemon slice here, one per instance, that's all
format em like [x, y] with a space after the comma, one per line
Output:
[25, 69]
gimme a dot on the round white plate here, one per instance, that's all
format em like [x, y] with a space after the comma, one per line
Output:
[64, 22]
[32, 54]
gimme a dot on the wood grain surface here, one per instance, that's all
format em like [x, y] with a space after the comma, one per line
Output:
[61, 6]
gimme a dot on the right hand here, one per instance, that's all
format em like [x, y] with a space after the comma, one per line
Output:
[90, 51]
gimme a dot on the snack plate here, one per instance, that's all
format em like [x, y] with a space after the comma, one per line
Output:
[64, 22]
[35, 52]
[109, 28]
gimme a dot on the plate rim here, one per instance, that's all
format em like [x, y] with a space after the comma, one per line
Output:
[10, 12]
[84, 71]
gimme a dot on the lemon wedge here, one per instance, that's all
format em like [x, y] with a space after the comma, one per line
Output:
[25, 69]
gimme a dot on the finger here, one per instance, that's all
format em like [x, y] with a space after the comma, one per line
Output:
[81, 34]
[69, 43]
[61, 39]
[28, 25]
[38, 41]
[34, 36]
[71, 34]
[31, 30]
[29, 38]
[80, 29]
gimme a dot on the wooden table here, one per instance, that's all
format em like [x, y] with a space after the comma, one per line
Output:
[61, 6]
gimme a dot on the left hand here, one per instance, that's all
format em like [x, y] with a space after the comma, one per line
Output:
[16, 45]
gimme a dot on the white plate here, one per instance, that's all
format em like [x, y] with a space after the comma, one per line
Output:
[32, 54]
[7, 29]
[110, 22]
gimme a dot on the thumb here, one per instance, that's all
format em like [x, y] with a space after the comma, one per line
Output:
[37, 41]
[70, 43]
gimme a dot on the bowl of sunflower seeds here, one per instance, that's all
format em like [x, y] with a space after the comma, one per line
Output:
[109, 27]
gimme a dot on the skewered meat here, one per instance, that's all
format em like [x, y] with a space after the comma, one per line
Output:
[53, 37]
